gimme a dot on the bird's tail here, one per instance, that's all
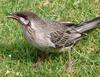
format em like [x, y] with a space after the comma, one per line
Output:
[87, 25]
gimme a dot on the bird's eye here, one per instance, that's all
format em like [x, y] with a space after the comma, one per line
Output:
[24, 21]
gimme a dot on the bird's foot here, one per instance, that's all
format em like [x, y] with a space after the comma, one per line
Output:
[69, 68]
[36, 64]
[41, 57]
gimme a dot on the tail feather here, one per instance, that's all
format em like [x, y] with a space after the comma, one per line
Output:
[87, 25]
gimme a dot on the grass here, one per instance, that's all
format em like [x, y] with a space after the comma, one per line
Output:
[17, 56]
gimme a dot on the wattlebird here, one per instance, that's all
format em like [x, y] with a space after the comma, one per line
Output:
[52, 36]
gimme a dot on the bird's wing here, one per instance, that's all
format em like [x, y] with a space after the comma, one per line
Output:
[65, 38]
[68, 23]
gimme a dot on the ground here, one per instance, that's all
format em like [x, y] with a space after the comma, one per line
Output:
[17, 56]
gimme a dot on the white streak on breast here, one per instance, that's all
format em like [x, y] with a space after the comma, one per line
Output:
[33, 25]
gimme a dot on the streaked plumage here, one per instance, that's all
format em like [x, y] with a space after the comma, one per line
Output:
[50, 35]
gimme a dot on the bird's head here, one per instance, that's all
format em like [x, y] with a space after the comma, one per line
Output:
[24, 17]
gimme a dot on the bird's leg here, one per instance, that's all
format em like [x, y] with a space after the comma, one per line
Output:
[41, 57]
[69, 68]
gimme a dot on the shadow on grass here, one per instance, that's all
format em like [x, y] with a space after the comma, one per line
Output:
[22, 51]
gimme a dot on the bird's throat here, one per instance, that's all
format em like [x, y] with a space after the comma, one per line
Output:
[26, 27]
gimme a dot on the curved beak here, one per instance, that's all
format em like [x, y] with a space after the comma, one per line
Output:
[13, 17]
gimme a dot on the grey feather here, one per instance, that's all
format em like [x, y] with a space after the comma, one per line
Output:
[72, 33]
[87, 25]
[46, 34]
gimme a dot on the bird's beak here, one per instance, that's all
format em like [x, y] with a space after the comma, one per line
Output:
[13, 17]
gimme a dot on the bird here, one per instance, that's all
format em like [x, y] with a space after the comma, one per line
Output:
[53, 36]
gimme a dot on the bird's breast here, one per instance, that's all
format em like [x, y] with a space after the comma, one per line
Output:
[43, 40]
[38, 39]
